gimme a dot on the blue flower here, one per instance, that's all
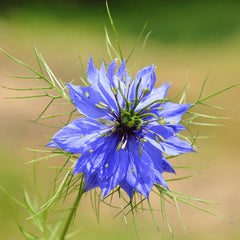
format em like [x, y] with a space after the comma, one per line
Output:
[129, 124]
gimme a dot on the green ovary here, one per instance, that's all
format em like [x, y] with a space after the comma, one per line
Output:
[129, 119]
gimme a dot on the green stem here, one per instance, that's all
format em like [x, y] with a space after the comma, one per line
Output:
[73, 211]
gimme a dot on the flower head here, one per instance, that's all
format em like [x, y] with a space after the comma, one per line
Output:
[129, 124]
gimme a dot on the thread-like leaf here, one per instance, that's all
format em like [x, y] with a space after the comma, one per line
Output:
[114, 31]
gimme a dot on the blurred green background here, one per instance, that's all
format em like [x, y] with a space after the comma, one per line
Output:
[187, 36]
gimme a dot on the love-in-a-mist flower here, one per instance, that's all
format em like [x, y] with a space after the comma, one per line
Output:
[129, 124]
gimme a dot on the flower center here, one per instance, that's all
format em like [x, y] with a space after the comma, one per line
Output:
[128, 124]
[129, 120]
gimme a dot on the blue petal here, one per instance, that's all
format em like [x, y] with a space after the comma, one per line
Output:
[92, 164]
[101, 83]
[166, 166]
[161, 130]
[104, 88]
[109, 177]
[160, 92]
[90, 161]
[122, 75]
[157, 145]
[148, 79]
[140, 173]
[52, 144]
[93, 160]
[111, 70]
[127, 188]
[85, 100]
[160, 179]
[172, 146]
[160, 163]
[78, 136]
[156, 94]
[173, 112]
[175, 146]
[82, 162]
[91, 181]
[123, 79]
[176, 127]
[92, 72]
